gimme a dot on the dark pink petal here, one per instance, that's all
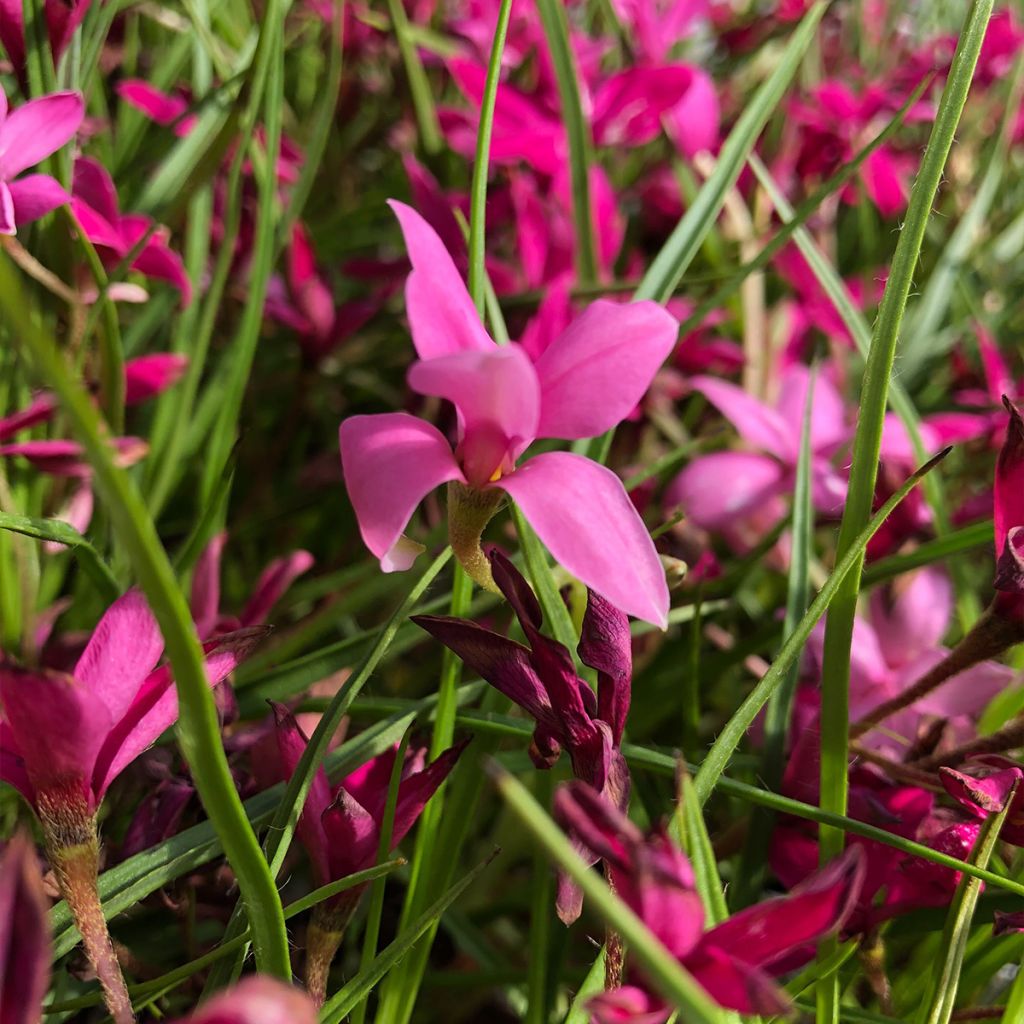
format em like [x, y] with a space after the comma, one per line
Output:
[101, 232]
[1006, 923]
[369, 783]
[146, 377]
[34, 196]
[762, 934]
[93, 185]
[497, 395]
[351, 835]
[628, 105]
[159, 261]
[715, 490]
[1009, 482]
[158, 106]
[596, 372]
[205, 597]
[736, 984]
[272, 584]
[256, 1000]
[986, 790]
[58, 725]
[37, 129]
[605, 645]
[391, 462]
[155, 708]
[582, 513]
[291, 743]
[756, 423]
[123, 649]
[24, 934]
[8, 225]
[598, 823]
[39, 410]
[885, 182]
[12, 764]
[442, 317]
[1010, 566]
[415, 790]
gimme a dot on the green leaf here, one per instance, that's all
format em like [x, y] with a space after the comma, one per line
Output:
[663, 971]
[62, 533]
[690, 831]
[419, 85]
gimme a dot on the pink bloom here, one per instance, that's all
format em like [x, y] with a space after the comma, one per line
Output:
[94, 201]
[583, 384]
[340, 827]
[65, 737]
[161, 107]
[275, 579]
[62, 18]
[28, 135]
[985, 786]
[24, 934]
[720, 489]
[735, 960]
[256, 1000]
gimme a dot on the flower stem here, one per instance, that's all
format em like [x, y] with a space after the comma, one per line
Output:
[323, 937]
[73, 847]
[469, 512]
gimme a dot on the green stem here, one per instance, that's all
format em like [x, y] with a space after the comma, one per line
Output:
[198, 727]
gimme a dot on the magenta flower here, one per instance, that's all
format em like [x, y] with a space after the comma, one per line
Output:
[583, 384]
[66, 737]
[734, 961]
[62, 18]
[985, 786]
[275, 579]
[719, 490]
[1009, 519]
[28, 135]
[94, 201]
[542, 680]
[24, 934]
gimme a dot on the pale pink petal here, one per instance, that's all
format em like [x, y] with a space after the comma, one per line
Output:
[37, 129]
[8, 225]
[497, 396]
[967, 693]
[256, 1000]
[123, 649]
[34, 196]
[912, 615]
[756, 423]
[272, 584]
[594, 375]
[76, 512]
[715, 490]
[828, 412]
[441, 314]
[553, 316]
[391, 462]
[582, 513]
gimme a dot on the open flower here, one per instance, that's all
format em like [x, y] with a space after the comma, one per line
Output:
[734, 961]
[28, 135]
[581, 385]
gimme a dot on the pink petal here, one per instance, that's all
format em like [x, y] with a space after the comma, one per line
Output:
[715, 490]
[93, 185]
[205, 597]
[156, 105]
[596, 372]
[99, 231]
[159, 261]
[272, 584]
[34, 196]
[735, 984]
[629, 1004]
[37, 129]
[605, 645]
[391, 462]
[912, 615]
[582, 513]
[442, 317]
[8, 224]
[76, 512]
[148, 376]
[58, 726]
[12, 764]
[967, 693]
[123, 649]
[628, 105]
[39, 410]
[828, 411]
[1009, 482]
[694, 122]
[757, 424]
[351, 835]
[256, 1000]
[25, 953]
[885, 181]
[497, 396]
[155, 708]
[415, 790]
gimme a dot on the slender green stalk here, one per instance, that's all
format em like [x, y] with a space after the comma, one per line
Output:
[478, 185]
[577, 129]
[867, 445]
[419, 85]
[198, 727]
[670, 978]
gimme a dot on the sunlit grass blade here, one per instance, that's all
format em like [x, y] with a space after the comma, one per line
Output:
[668, 976]
[198, 725]
[59, 532]
[690, 832]
[337, 1008]
[736, 728]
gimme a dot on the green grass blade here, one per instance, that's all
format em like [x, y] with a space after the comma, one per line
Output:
[663, 971]
[419, 84]
[736, 728]
[61, 533]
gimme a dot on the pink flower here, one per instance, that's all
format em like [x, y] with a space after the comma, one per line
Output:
[24, 934]
[719, 490]
[581, 385]
[734, 961]
[275, 579]
[62, 18]
[65, 737]
[94, 201]
[28, 135]
[340, 827]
